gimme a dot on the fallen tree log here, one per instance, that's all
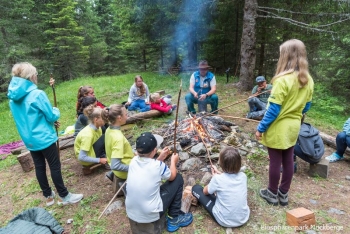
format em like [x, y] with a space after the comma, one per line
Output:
[143, 115]
[331, 141]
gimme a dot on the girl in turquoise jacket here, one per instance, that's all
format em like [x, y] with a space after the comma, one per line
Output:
[34, 117]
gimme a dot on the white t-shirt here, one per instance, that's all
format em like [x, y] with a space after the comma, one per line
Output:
[231, 207]
[143, 202]
[212, 82]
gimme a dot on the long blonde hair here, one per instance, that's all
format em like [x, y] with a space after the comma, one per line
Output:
[142, 89]
[293, 59]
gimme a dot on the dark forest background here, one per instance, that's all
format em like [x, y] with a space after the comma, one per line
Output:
[75, 38]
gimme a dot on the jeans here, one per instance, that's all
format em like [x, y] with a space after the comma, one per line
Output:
[213, 100]
[171, 194]
[139, 104]
[342, 142]
[207, 201]
[298, 152]
[51, 156]
[278, 157]
[257, 108]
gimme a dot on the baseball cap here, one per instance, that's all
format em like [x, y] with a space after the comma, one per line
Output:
[148, 142]
[260, 79]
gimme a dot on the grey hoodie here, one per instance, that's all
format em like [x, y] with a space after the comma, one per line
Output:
[310, 142]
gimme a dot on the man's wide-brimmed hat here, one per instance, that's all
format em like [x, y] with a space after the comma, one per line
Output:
[203, 64]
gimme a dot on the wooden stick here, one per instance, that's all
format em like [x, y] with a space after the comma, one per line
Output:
[232, 117]
[254, 95]
[55, 105]
[176, 117]
[115, 195]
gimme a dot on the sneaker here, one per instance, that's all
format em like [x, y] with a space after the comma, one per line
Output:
[183, 220]
[249, 115]
[50, 200]
[71, 198]
[110, 175]
[269, 196]
[334, 157]
[283, 198]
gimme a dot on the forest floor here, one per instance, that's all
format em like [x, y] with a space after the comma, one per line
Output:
[327, 198]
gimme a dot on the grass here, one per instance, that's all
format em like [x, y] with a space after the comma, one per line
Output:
[110, 90]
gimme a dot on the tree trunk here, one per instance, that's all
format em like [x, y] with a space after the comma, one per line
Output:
[248, 54]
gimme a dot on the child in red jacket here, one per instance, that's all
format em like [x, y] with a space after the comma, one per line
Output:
[159, 104]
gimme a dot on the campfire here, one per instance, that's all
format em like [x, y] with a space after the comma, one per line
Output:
[196, 129]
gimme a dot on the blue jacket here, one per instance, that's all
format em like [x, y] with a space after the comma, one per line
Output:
[33, 114]
[346, 127]
[207, 80]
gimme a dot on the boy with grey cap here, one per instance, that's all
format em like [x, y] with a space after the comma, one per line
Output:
[147, 199]
[257, 102]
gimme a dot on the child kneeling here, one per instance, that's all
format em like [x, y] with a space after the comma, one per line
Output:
[147, 199]
[229, 207]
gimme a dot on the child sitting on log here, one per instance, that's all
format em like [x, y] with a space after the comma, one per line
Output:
[118, 150]
[89, 145]
[138, 96]
[147, 200]
[159, 104]
[82, 120]
[229, 207]
[85, 91]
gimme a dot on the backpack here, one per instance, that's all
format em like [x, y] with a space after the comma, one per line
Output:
[310, 142]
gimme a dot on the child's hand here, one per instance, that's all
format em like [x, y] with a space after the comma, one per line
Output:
[175, 159]
[164, 154]
[214, 170]
[103, 160]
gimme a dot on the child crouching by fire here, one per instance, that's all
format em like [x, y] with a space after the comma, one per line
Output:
[147, 200]
[229, 207]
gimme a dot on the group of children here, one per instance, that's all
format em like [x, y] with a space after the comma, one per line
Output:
[147, 199]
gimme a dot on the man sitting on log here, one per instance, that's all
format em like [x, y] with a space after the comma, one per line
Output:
[257, 102]
[342, 141]
[202, 90]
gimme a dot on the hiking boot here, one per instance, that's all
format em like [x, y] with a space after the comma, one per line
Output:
[183, 220]
[283, 198]
[269, 196]
[110, 175]
[71, 198]
[50, 200]
[334, 157]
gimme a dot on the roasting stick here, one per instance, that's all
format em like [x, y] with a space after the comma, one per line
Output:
[234, 103]
[112, 200]
[232, 117]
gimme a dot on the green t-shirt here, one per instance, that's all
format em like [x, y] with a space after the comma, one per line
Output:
[117, 146]
[263, 97]
[286, 91]
[84, 141]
